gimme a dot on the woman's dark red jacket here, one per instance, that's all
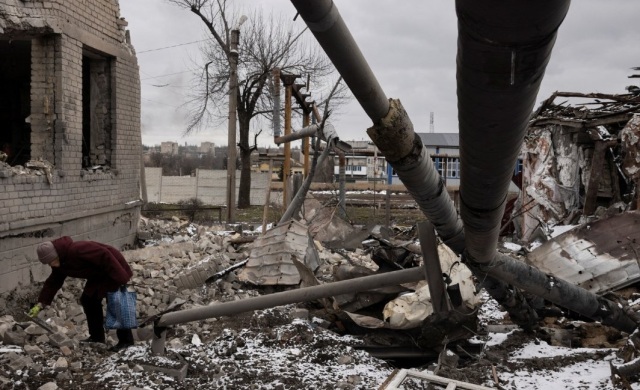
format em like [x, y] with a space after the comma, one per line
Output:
[102, 265]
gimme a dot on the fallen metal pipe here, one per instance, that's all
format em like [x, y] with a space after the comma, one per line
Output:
[556, 290]
[431, 258]
[293, 296]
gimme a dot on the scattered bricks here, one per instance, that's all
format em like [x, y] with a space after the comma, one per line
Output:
[15, 337]
[66, 351]
[76, 366]
[35, 330]
[61, 364]
[32, 350]
[49, 386]
[20, 362]
[42, 339]
[60, 339]
[74, 310]
[300, 313]
[345, 359]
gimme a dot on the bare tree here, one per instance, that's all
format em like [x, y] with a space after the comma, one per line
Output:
[265, 43]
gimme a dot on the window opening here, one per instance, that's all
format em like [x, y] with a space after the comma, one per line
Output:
[96, 110]
[15, 101]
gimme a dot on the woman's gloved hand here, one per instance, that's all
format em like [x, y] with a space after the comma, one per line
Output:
[35, 310]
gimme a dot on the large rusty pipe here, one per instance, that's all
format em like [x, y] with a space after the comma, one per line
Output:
[503, 50]
[326, 24]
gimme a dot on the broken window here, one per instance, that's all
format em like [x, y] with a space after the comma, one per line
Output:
[96, 109]
[453, 168]
[15, 98]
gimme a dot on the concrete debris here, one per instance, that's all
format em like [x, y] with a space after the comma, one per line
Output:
[599, 256]
[49, 386]
[270, 261]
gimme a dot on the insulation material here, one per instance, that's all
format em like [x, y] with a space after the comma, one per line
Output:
[409, 310]
[271, 258]
[630, 138]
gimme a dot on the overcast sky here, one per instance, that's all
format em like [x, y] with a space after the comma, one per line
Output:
[409, 44]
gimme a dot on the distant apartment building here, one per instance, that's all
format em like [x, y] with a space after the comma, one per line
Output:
[169, 147]
[363, 163]
[207, 148]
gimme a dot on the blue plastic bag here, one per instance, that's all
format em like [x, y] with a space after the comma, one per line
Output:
[121, 309]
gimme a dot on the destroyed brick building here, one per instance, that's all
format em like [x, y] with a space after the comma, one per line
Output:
[69, 129]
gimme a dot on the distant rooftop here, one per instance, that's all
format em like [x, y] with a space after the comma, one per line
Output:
[440, 139]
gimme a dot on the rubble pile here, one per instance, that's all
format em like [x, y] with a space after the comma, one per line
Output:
[307, 345]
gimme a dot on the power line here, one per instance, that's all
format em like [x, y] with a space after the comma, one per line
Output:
[164, 75]
[170, 47]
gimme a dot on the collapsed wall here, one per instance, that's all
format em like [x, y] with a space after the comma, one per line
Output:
[580, 160]
[70, 130]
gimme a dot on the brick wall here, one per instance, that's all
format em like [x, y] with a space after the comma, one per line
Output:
[102, 205]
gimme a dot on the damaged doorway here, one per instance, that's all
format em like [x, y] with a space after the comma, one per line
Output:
[96, 109]
[15, 101]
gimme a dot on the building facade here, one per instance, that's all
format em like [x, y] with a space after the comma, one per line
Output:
[70, 130]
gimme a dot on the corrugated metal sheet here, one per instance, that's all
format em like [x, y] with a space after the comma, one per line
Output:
[599, 256]
[270, 261]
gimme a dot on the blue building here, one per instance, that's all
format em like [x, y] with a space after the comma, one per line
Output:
[444, 149]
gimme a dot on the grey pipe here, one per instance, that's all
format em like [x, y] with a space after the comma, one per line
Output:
[556, 290]
[503, 50]
[293, 296]
[326, 24]
[296, 135]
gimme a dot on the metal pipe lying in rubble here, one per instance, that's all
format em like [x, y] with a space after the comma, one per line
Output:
[307, 294]
[393, 131]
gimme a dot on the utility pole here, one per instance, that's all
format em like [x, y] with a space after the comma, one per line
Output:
[233, 101]
[287, 80]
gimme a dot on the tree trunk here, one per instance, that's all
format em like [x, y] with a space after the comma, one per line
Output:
[244, 192]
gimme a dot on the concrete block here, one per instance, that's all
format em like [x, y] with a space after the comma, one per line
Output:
[49, 386]
[179, 373]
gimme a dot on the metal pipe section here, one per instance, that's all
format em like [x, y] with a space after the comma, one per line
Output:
[558, 291]
[294, 296]
[503, 50]
[324, 20]
[296, 135]
[404, 151]
[433, 269]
